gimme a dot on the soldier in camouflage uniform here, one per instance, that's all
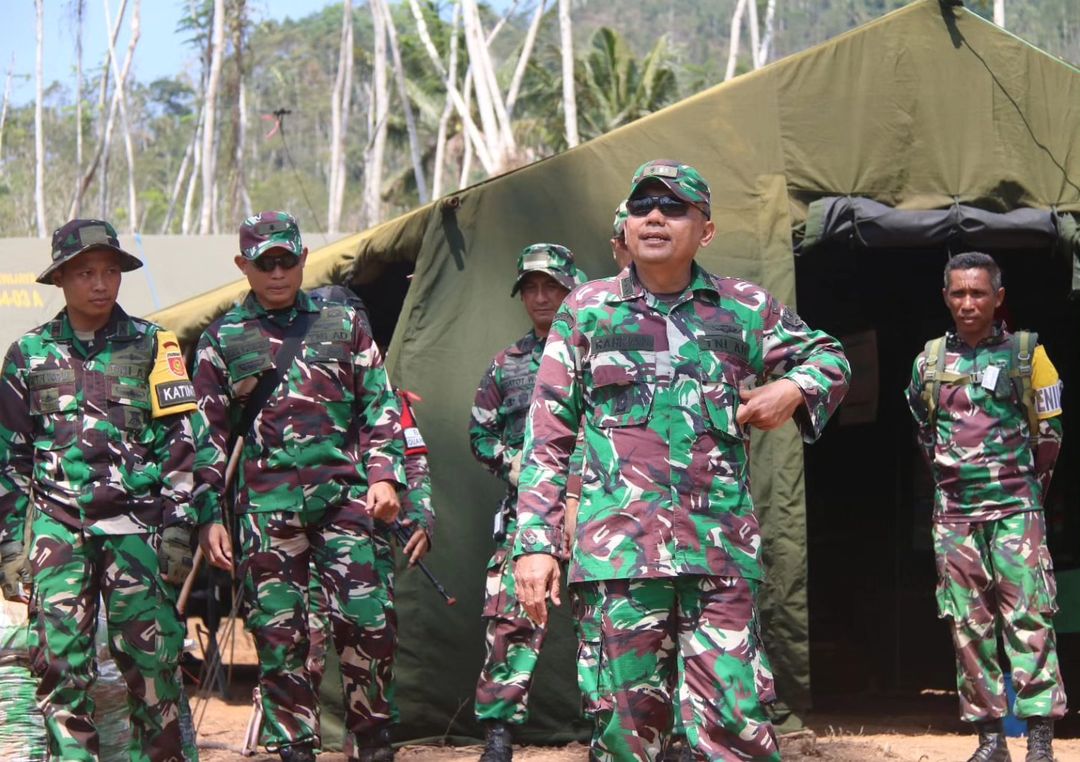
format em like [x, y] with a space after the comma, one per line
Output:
[666, 557]
[988, 411]
[96, 456]
[546, 274]
[322, 460]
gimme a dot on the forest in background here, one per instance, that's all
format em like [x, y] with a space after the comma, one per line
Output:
[357, 113]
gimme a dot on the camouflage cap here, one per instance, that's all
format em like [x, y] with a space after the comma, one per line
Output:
[681, 179]
[551, 259]
[74, 237]
[269, 230]
[620, 220]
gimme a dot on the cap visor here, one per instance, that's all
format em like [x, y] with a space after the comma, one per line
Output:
[128, 262]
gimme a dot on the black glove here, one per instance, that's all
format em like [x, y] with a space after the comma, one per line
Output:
[174, 554]
[14, 571]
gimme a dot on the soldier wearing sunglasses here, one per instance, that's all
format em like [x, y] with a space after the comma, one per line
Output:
[655, 365]
[322, 458]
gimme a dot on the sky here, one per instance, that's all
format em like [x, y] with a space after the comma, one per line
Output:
[160, 52]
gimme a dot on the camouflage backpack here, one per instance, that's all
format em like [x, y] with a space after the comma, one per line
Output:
[1019, 373]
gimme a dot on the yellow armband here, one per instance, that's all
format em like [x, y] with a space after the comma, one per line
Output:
[1046, 385]
[171, 391]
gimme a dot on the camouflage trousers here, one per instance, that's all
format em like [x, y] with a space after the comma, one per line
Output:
[512, 643]
[71, 573]
[640, 639]
[998, 576]
[279, 551]
[320, 638]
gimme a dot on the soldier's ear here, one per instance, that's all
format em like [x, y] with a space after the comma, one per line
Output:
[58, 276]
[999, 297]
[707, 233]
[240, 264]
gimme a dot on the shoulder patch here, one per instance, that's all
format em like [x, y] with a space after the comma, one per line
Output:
[791, 320]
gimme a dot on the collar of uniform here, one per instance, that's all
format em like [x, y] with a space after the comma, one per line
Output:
[526, 344]
[998, 334]
[627, 285]
[252, 308]
[119, 326]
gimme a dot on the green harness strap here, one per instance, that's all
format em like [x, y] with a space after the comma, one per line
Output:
[1023, 344]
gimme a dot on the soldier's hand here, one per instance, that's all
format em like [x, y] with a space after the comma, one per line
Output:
[175, 558]
[515, 469]
[536, 577]
[14, 572]
[769, 406]
[418, 545]
[216, 545]
[382, 501]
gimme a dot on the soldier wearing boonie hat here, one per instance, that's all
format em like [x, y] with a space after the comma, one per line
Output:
[87, 401]
[546, 273]
[650, 368]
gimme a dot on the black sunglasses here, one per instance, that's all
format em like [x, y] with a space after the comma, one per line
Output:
[265, 264]
[669, 206]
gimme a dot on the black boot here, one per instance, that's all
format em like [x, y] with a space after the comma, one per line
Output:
[1040, 739]
[374, 747]
[678, 750]
[300, 752]
[992, 745]
[498, 746]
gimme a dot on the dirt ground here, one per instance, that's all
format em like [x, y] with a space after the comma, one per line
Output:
[922, 729]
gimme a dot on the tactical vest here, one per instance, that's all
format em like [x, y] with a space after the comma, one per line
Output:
[1019, 375]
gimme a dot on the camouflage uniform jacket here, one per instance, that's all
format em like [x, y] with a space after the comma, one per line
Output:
[76, 431]
[666, 484]
[329, 429]
[497, 420]
[985, 464]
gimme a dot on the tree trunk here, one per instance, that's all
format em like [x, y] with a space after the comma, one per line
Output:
[767, 35]
[121, 98]
[473, 135]
[187, 222]
[373, 161]
[736, 31]
[7, 100]
[209, 157]
[80, 12]
[338, 118]
[479, 63]
[181, 174]
[566, 43]
[523, 59]
[755, 40]
[39, 138]
[239, 203]
[105, 120]
[450, 75]
[406, 105]
[999, 13]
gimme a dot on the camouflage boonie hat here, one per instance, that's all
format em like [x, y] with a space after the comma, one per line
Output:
[620, 220]
[550, 259]
[681, 179]
[269, 230]
[77, 236]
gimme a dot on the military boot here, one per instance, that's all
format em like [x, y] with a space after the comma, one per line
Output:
[374, 747]
[498, 746]
[300, 752]
[678, 750]
[1040, 739]
[992, 745]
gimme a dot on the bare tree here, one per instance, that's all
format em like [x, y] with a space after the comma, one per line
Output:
[105, 120]
[207, 221]
[39, 137]
[999, 13]
[80, 13]
[403, 95]
[239, 201]
[767, 34]
[736, 31]
[450, 75]
[380, 109]
[523, 59]
[755, 42]
[339, 116]
[181, 173]
[7, 100]
[566, 43]
[122, 100]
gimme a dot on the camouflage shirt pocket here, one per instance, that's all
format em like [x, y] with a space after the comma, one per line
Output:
[720, 402]
[622, 390]
[55, 408]
[129, 405]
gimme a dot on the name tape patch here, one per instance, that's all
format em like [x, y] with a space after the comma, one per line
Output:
[175, 393]
[1048, 400]
[623, 342]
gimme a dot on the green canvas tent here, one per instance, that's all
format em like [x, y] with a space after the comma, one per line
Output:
[926, 108]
